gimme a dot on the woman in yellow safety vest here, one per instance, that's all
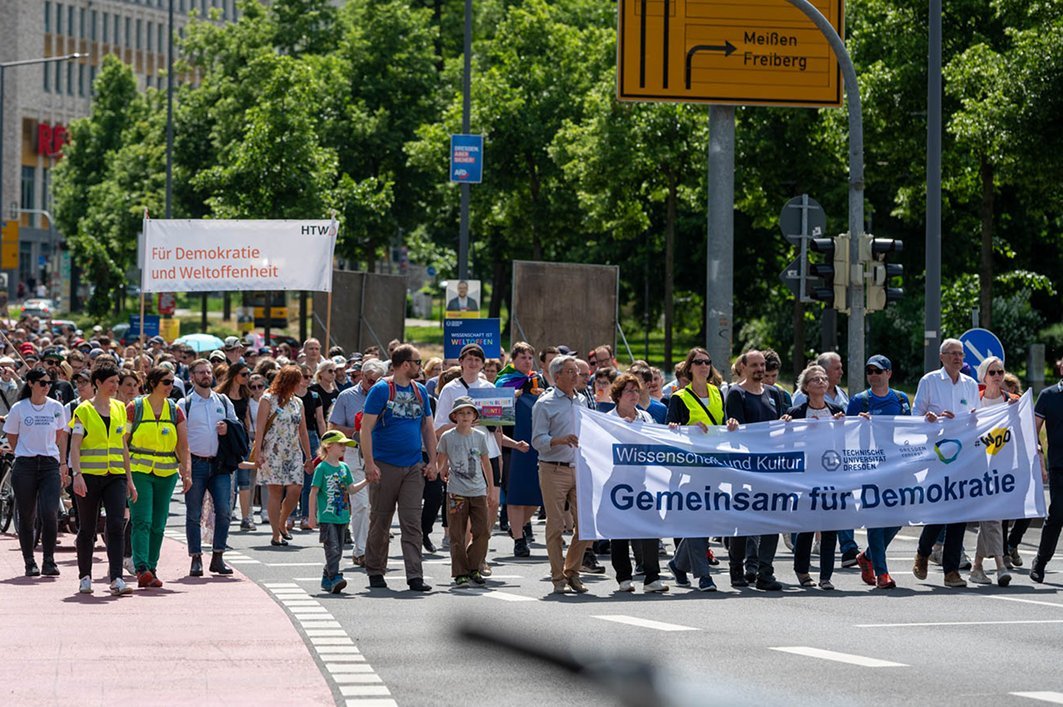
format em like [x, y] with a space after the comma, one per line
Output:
[698, 403]
[100, 462]
[158, 450]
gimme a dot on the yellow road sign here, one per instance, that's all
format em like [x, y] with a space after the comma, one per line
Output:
[737, 52]
[9, 246]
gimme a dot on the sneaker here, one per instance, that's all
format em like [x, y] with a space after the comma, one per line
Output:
[576, 584]
[849, 558]
[376, 581]
[127, 565]
[935, 555]
[560, 586]
[825, 585]
[520, 548]
[1037, 572]
[711, 557]
[884, 581]
[358, 560]
[1003, 579]
[655, 587]
[304, 524]
[31, 569]
[1014, 556]
[429, 546]
[978, 576]
[640, 571]
[769, 584]
[867, 572]
[461, 582]
[326, 584]
[49, 568]
[485, 569]
[705, 584]
[85, 586]
[626, 585]
[919, 566]
[750, 577]
[145, 578]
[247, 524]
[591, 564]
[418, 585]
[338, 584]
[476, 578]
[738, 580]
[954, 580]
[681, 578]
[119, 587]
[965, 562]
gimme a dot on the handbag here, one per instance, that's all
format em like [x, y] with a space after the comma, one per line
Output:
[254, 448]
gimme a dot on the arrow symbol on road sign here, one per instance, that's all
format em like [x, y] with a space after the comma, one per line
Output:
[727, 48]
[975, 352]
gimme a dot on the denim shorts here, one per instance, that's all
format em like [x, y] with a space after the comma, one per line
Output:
[243, 478]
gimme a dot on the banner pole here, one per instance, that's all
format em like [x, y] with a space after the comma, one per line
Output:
[141, 322]
[141, 337]
[328, 322]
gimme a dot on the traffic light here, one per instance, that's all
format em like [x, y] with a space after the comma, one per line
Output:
[880, 272]
[834, 274]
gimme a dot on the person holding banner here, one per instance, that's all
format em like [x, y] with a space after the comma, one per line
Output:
[878, 399]
[813, 383]
[699, 403]
[747, 402]
[1048, 412]
[553, 436]
[626, 392]
[944, 393]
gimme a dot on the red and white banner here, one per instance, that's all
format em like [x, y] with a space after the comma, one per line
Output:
[220, 255]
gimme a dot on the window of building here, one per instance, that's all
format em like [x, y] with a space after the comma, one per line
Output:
[59, 18]
[47, 15]
[128, 31]
[46, 189]
[160, 44]
[28, 201]
[140, 28]
[70, 28]
[92, 25]
[116, 26]
[58, 76]
[81, 23]
[92, 80]
[81, 80]
[47, 78]
[106, 28]
[151, 36]
[69, 79]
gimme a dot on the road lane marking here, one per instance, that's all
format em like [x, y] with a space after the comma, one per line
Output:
[363, 690]
[320, 624]
[338, 649]
[1053, 697]
[507, 596]
[280, 585]
[643, 623]
[323, 632]
[293, 564]
[356, 678]
[372, 703]
[344, 641]
[348, 668]
[342, 657]
[1028, 601]
[960, 623]
[860, 660]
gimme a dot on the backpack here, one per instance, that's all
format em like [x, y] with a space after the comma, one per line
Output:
[906, 408]
[391, 397]
[138, 413]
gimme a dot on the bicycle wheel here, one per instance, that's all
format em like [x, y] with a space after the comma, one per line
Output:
[7, 500]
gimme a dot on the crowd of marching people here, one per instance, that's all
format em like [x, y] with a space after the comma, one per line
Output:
[341, 442]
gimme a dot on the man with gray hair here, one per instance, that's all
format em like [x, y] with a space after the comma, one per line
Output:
[554, 437]
[944, 393]
[348, 404]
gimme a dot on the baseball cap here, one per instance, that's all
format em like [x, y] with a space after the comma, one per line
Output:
[157, 340]
[231, 342]
[339, 361]
[566, 351]
[880, 361]
[337, 437]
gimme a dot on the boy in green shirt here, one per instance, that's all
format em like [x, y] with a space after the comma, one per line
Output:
[330, 505]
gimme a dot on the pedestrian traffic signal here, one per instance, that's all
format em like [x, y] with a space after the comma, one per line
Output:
[833, 274]
[880, 272]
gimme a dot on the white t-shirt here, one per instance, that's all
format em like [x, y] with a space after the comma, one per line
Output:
[445, 405]
[36, 427]
[822, 413]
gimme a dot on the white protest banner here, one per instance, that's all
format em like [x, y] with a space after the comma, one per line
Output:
[646, 481]
[221, 255]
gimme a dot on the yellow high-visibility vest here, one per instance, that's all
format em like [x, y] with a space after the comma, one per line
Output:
[698, 411]
[152, 445]
[101, 448]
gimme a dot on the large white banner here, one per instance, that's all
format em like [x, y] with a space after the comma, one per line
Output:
[211, 256]
[647, 481]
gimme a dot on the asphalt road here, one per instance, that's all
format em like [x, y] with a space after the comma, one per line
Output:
[920, 643]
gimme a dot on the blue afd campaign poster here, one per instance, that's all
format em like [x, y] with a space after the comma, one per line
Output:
[466, 158]
[459, 332]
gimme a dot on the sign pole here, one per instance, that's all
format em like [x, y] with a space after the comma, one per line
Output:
[719, 281]
[466, 108]
[141, 320]
[328, 323]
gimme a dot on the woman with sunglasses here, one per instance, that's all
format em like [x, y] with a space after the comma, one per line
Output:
[36, 430]
[100, 460]
[158, 451]
[813, 382]
[325, 385]
[991, 532]
[234, 384]
[314, 407]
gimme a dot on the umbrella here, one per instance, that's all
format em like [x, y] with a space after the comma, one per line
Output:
[201, 342]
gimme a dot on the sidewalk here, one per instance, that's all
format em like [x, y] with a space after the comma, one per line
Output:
[195, 641]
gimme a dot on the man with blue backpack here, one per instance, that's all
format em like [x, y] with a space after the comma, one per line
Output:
[878, 399]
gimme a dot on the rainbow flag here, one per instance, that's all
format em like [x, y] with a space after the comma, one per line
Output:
[510, 377]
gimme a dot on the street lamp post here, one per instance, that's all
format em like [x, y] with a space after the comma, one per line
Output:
[4, 66]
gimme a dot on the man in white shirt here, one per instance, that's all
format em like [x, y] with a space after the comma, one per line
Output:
[944, 393]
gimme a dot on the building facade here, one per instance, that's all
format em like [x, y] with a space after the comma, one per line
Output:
[41, 100]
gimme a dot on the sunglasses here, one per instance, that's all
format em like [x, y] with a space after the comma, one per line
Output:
[168, 381]
[871, 371]
[415, 361]
[244, 373]
[701, 362]
[997, 372]
[257, 387]
[44, 382]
